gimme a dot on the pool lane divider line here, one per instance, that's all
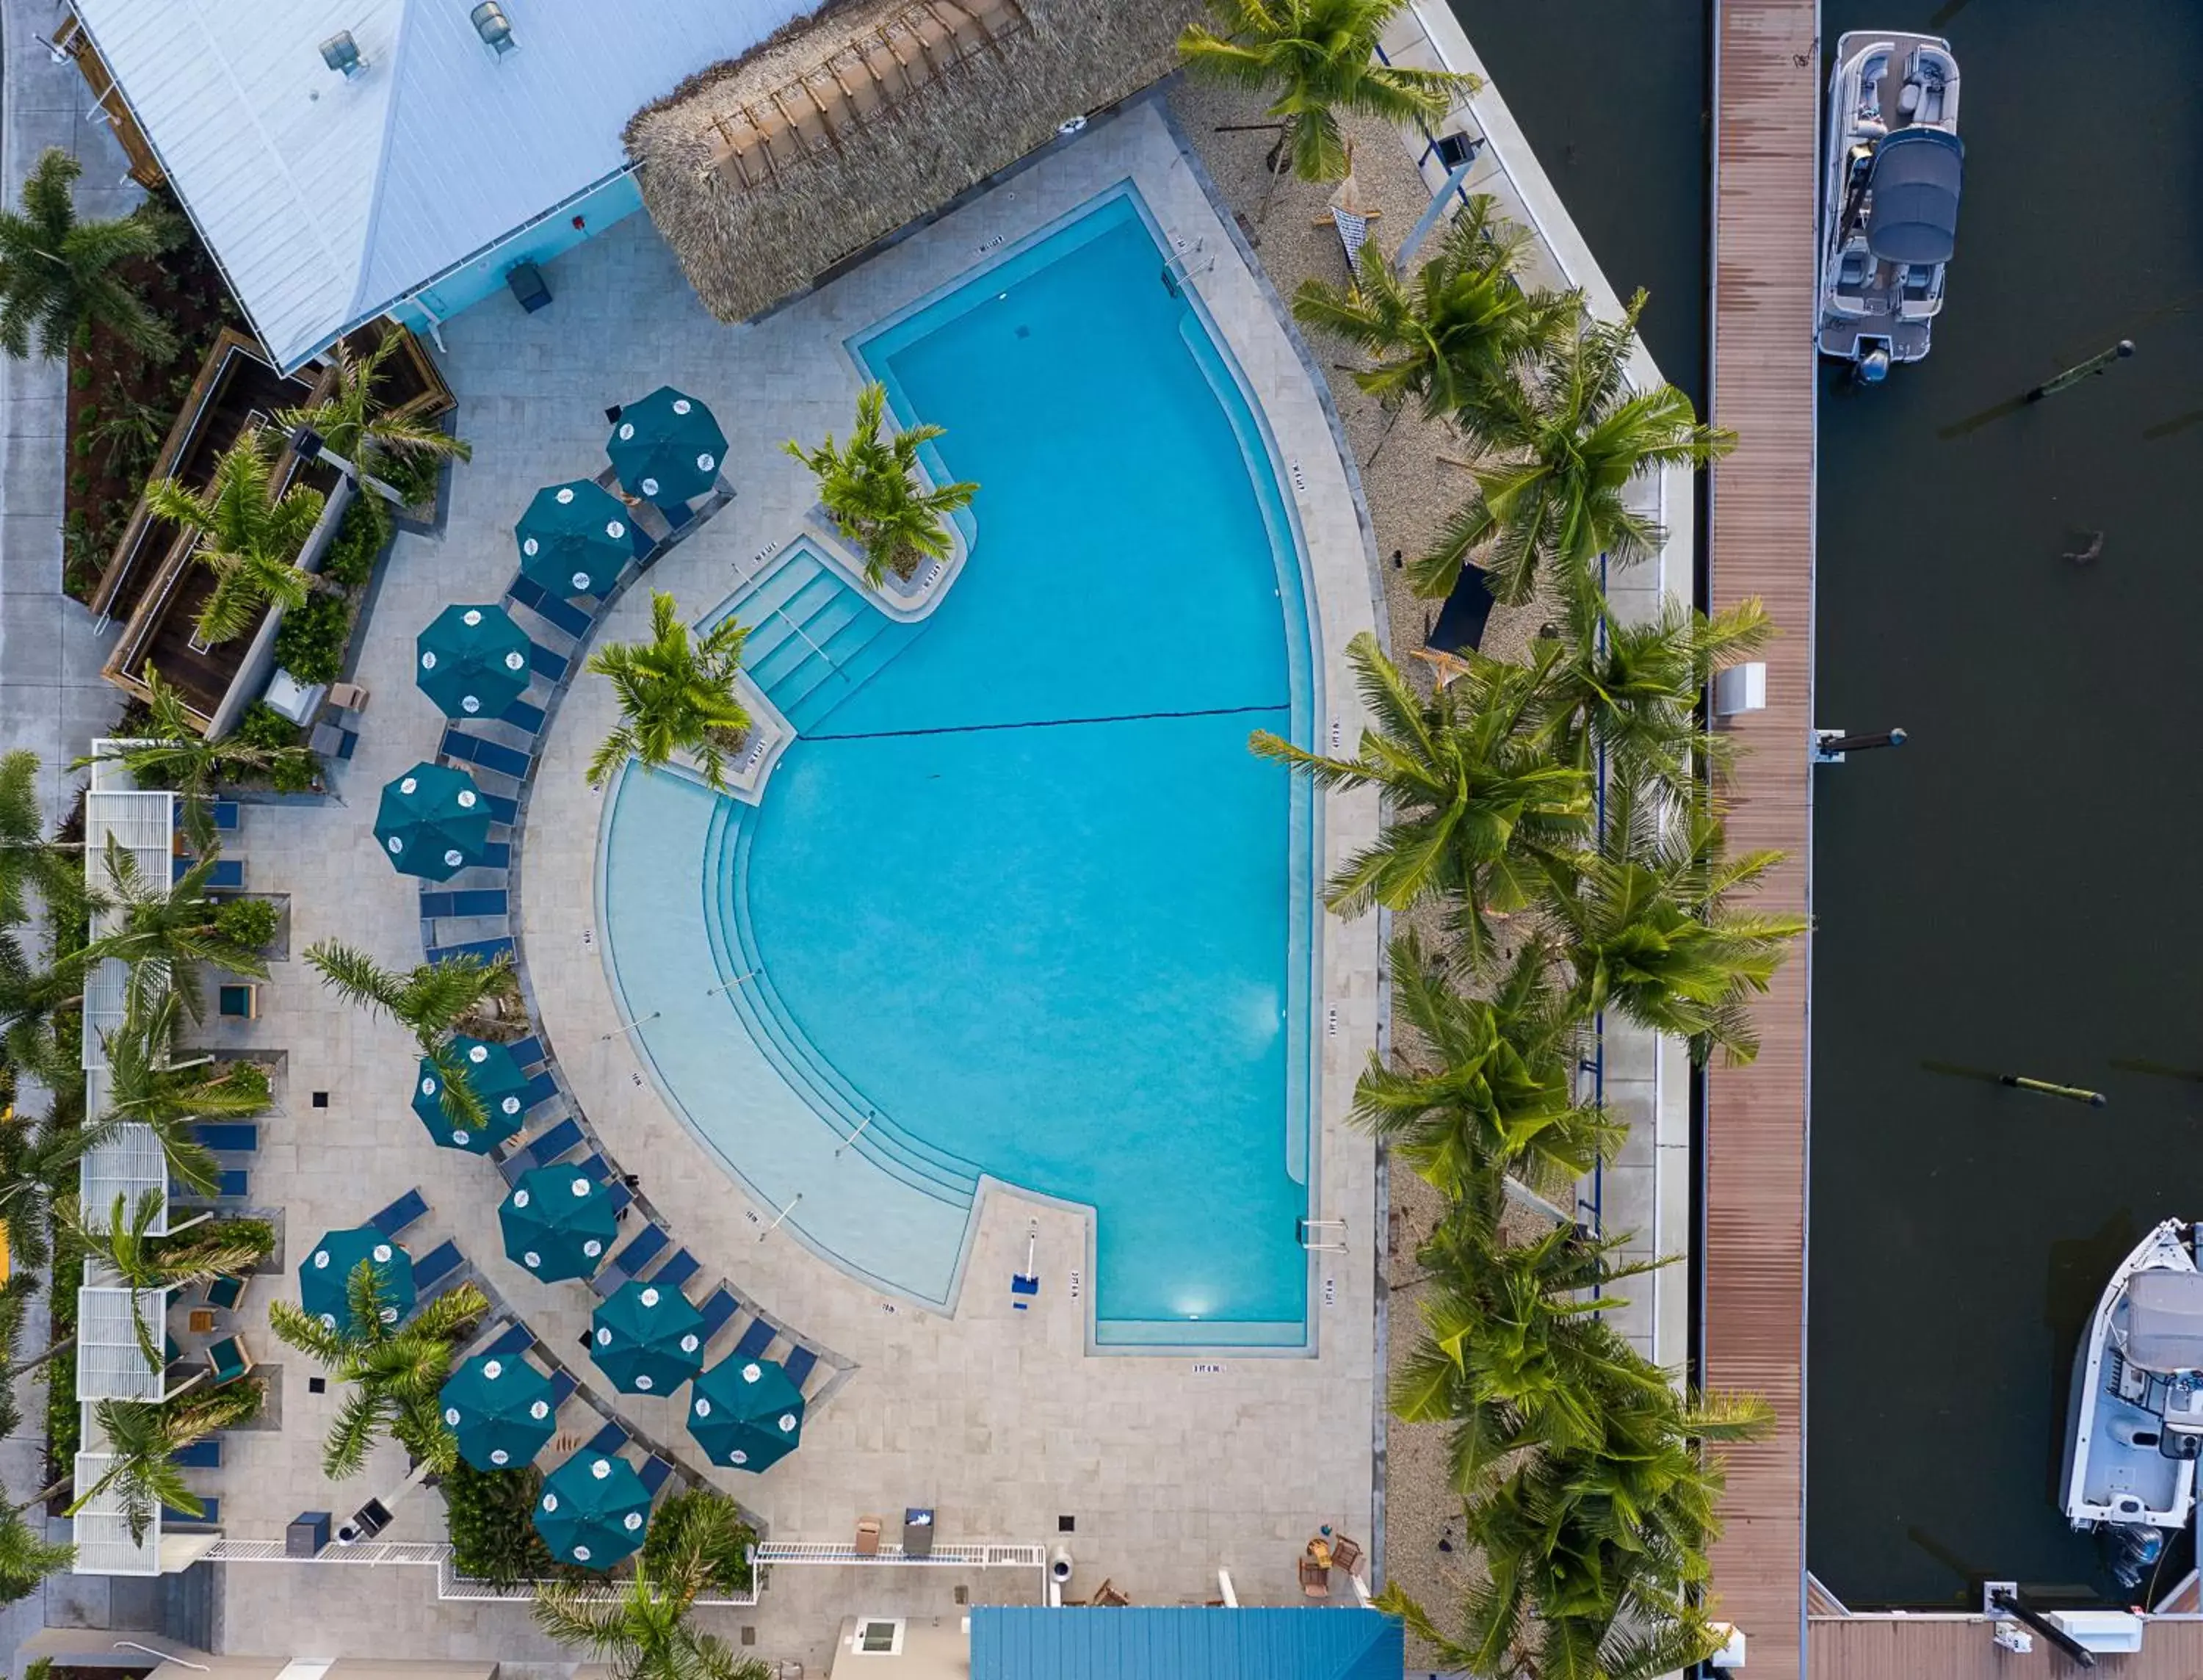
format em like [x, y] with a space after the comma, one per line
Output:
[1054, 723]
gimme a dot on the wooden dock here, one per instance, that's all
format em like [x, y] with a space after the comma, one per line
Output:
[1765, 114]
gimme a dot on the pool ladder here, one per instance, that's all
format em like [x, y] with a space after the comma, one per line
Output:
[1323, 1236]
[1183, 263]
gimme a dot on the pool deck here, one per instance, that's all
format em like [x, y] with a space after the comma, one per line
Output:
[1173, 1464]
[1767, 73]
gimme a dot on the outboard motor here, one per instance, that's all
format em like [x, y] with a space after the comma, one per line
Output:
[2131, 1550]
[1872, 366]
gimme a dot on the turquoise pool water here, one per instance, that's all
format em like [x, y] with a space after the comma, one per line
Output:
[1018, 904]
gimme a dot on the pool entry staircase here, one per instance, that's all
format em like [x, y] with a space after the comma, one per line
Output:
[815, 638]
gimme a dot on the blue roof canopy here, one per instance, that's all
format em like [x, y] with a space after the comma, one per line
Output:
[1915, 183]
[1030, 1642]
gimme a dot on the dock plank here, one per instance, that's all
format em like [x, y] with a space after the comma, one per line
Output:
[1766, 110]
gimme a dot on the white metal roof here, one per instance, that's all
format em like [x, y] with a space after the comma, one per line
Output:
[102, 1532]
[329, 199]
[109, 1363]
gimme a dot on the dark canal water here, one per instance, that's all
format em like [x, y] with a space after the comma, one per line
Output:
[2016, 889]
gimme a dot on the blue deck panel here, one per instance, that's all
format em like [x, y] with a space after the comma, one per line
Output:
[1188, 1642]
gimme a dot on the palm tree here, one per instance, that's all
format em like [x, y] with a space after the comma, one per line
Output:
[1646, 924]
[1483, 1086]
[1595, 1559]
[163, 930]
[26, 1557]
[142, 1439]
[59, 275]
[1559, 453]
[397, 1369]
[1632, 691]
[644, 1634]
[872, 488]
[431, 1001]
[352, 424]
[1472, 802]
[677, 695]
[1319, 58]
[150, 1265]
[29, 862]
[169, 752]
[1463, 321]
[1513, 1354]
[38, 1158]
[143, 1088]
[248, 534]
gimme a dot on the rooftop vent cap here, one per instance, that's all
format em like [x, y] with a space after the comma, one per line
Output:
[491, 23]
[341, 54]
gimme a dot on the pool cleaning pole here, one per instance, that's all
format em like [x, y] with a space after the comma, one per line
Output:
[2073, 374]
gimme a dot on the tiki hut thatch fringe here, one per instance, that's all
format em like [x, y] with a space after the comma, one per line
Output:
[747, 246]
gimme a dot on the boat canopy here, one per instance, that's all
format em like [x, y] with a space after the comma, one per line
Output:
[1915, 184]
[2165, 1320]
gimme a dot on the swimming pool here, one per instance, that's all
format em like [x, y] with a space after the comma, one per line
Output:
[1018, 904]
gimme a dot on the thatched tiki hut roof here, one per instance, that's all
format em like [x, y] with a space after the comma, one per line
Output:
[764, 172]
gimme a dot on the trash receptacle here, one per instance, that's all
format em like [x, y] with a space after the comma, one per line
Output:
[307, 1536]
[528, 285]
[917, 1533]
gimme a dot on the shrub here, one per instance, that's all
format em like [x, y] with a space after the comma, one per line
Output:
[251, 923]
[310, 642]
[412, 476]
[350, 562]
[490, 1516]
[79, 483]
[80, 377]
[712, 1513]
[259, 1233]
[249, 1077]
[262, 726]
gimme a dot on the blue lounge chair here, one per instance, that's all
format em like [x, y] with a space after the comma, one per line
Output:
[563, 1385]
[408, 1210]
[496, 855]
[480, 901]
[545, 663]
[676, 1272]
[235, 1137]
[507, 811]
[228, 1360]
[173, 1518]
[631, 1261]
[598, 1168]
[523, 716]
[799, 1363]
[437, 1265]
[225, 812]
[527, 1052]
[205, 1454]
[236, 1184]
[610, 1439]
[228, 875]
[676, 514]
[559, 614]
[541, 1087]
[483, 755]
[518, 1339]
[655, 1470]
[719, 1306]
[546, 1147]
[226, 1294]
[488, 949]
[755, 1340]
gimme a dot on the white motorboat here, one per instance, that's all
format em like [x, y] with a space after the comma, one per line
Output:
[1889, 217]
[2136, 1424]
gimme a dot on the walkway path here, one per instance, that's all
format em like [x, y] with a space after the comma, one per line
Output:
[1754, 1308]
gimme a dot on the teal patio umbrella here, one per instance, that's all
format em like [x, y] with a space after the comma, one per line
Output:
[667, 447]
[648, 1339]
[558, 1222]
[575, 539]
[325, 1277]
[432, 822]
[746, 1413]
[472, 660]
[494, 1075]
[502, 1410]
[593, 1511]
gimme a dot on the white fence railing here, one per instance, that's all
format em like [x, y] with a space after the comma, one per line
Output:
[452, 1587]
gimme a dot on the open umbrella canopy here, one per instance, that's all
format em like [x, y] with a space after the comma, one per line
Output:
[502, 1408]
[325, 1277]
[747, 1414]
[667, 447]
[432, 822]
[472, 660]
[558, 1222]
[494, 1076]
[648, 1339]
[593, 1511]
[575, 539]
